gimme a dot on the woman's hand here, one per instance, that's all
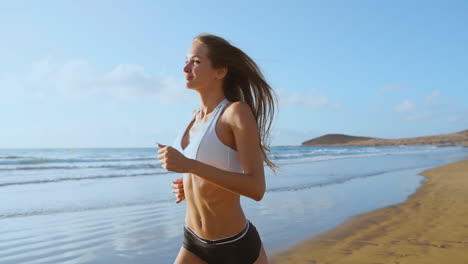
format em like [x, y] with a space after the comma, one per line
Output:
[178, 190]
[172, 160]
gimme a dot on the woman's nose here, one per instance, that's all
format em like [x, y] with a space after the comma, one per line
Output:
[187, 67]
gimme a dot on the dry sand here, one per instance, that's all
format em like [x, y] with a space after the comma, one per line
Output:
[430, 227]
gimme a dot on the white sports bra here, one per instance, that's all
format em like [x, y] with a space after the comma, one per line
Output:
[205, 146]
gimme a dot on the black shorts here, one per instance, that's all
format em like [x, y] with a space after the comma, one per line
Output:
[242, 248]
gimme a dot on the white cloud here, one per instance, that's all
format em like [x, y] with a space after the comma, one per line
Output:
[310, 99]
[453, 118]
[404, 107]
[391, 87]
[434, 94]
[419, 117]
[460, 116]
[80, 78]
[443, 104]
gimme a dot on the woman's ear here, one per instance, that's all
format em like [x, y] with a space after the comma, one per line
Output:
[221, 73]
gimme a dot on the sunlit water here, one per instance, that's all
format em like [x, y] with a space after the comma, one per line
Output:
[116, 205]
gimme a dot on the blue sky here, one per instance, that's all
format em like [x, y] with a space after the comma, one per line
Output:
[109, 73]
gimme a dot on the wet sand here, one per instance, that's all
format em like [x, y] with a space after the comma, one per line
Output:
[430, 227]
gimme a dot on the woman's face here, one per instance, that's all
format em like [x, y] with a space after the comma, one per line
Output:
[199, 72]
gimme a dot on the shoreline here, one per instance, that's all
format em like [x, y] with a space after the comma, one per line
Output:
[431, 226]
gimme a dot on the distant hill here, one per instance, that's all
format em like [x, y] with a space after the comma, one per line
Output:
[333, 139]
[455, 139]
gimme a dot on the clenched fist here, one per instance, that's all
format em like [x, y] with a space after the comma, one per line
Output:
[178, 189]
[172, 160]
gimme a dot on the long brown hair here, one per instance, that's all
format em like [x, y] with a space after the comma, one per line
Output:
[244, 82]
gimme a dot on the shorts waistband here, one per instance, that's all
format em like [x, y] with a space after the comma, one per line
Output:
[220, 241]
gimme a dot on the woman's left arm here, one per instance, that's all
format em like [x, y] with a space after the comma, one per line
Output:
[251, 183]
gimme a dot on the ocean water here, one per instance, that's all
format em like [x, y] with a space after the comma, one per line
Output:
[116, 205]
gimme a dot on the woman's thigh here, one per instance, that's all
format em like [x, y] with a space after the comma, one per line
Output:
[262, 258]
[187, 257]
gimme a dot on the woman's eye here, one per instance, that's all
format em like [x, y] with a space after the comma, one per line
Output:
[192, 61]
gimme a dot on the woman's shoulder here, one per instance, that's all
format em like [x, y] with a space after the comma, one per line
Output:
[239, 106]
[239, 112]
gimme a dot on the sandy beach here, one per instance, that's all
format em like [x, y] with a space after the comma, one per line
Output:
[430, 227]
